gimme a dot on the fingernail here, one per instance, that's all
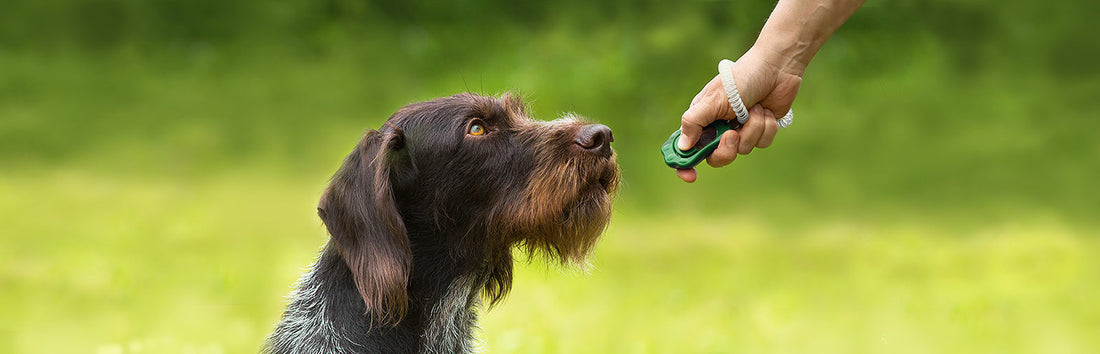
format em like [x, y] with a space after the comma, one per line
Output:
[757, 109]
[729, 139]
[682, 143]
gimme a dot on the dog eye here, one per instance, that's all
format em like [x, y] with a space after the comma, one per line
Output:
[476, 129]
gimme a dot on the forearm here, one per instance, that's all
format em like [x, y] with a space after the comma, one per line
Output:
[796, 30]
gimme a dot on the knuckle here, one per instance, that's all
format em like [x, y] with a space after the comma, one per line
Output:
[761, 122]
[687, 121]
[721, 157]
[718, 161]
[745, 150]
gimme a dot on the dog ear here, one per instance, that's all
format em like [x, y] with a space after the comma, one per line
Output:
[360, 213]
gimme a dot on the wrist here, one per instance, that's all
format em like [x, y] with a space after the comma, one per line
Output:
[759, 70]
[797, 29]
[783, 56]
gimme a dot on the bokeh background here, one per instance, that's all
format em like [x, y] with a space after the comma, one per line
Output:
[160, 162]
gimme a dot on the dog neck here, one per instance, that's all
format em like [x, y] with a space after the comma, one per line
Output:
[453, 317]
[326, 313]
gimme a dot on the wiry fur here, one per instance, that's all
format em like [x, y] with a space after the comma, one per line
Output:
[424, 217]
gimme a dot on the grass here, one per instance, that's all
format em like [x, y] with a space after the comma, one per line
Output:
[160, 163]
[116, 264]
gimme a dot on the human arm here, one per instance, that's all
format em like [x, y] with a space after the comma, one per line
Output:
[768, 77]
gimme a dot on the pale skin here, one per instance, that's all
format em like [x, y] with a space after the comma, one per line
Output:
[768, 76]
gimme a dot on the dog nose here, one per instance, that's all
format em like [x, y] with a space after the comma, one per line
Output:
[595, 138]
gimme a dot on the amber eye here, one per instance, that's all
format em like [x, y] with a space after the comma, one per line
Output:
[476, 129]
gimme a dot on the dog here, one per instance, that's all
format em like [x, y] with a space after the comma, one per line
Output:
[424, 215]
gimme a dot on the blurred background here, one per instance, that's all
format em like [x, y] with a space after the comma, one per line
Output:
[160, 162]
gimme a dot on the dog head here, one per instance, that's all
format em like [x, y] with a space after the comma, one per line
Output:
[467, 178]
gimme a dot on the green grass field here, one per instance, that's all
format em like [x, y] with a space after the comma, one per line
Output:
[160, 164]
[104, 264]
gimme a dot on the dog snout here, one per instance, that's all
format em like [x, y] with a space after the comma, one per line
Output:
[595, 138]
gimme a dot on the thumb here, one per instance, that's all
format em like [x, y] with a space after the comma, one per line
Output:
[691, 126]
[712, 106]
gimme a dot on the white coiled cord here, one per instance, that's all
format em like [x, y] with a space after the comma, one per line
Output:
[725, 72]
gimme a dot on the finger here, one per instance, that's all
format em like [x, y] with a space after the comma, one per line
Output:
[726, 151]
[687, 174]
[753, 129]
[711, 105]
[690, 129]
[771, 127]
[693, 121]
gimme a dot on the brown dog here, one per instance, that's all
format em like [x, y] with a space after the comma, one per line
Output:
[424, 214]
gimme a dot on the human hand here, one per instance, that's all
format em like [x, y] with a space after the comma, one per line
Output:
[763, 86]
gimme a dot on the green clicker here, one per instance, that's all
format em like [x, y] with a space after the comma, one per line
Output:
[708, 141]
